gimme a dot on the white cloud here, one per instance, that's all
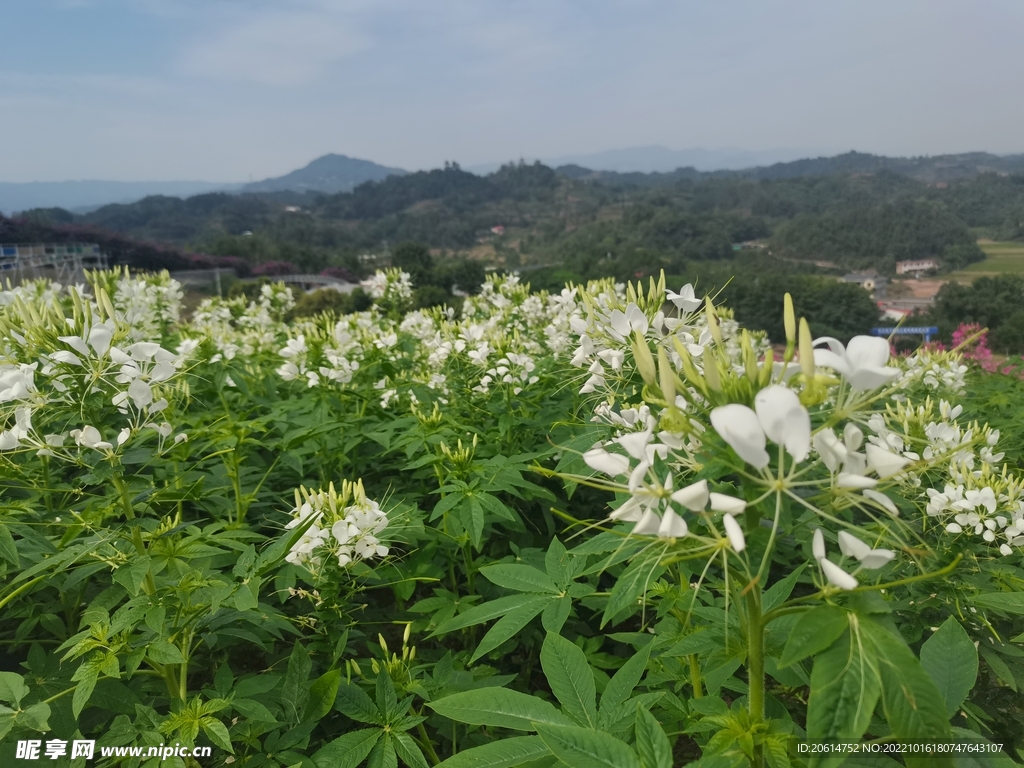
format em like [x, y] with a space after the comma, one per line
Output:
[276, 49]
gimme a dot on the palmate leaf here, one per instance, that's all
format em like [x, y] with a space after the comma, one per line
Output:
[498, 707]
[509, 624]
[651, 741]
[845, 687]
[480, 613]
[348, 751]
[631, 586]
[951, 660]
[521, 578]
[506, 753]
[586, 748]
[621, 686]
[914, 706]
[570, 678]
[813, 632]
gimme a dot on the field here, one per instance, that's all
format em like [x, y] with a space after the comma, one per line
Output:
[599, 526]
[1001, 259]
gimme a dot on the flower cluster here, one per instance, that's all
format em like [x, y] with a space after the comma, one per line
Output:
[344, 526]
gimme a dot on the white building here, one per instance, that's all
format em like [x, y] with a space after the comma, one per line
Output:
[920, 265]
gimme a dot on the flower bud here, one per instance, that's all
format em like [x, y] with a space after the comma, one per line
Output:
[713, 327]
[643, 358]
[806, 350]
[789, 319]
[667, 377]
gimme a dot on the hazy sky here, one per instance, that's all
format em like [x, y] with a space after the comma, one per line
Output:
[225, 90]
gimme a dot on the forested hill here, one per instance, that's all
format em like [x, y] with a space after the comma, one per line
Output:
[933, 169]
[532, 215]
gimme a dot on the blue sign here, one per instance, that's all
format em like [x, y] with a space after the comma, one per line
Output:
[909, 330]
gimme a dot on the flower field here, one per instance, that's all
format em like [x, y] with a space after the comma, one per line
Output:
[600, 527]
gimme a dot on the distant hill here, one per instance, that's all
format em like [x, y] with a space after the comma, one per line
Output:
[929, 169]
[658, 159]
[74, 195]
[329, 174]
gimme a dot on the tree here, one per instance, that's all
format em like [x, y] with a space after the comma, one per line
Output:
[415, 259]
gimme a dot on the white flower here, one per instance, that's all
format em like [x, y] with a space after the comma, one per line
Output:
[884, 463]
[685, 300]
[779, 417]
[141, 393]
[123, 435]
[861, 362]
[89, 437]
[870, 558]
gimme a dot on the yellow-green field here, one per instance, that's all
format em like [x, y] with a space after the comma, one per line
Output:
[1002, 258]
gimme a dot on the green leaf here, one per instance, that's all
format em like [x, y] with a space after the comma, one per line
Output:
[555, 613]
[813, 632]
[155, 618]
[631, 586]
[408, 750]
[587, 748]
[321, 695]
[348, 751]
[570, 678]
[492, 610]
[473, 518]
[979, 760]
[383, 754]
[506, 753]
[914, 706]
[162, 652]
[998, 666]
[295, 689]
[387, 699]
[625, 679]
[12, 688]
[353, 702]
[951, 660]
[498, 707]
[844, 689]
[556, 562]
[522, 578]
[1007, 602]
[780, 591]
[8, 550]
[217, 732]
[253, 710]
[86, 685]
[651, 741]
[509, 624]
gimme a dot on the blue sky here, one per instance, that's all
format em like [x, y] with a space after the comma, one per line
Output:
[228, 90]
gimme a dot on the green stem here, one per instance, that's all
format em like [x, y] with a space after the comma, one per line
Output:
[698, 693]
[22, 588]
[148, 585]
[755, 664]
[426, 744]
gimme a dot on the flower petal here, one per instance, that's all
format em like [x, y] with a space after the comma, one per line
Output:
[836, 575]
[884, 463]
[851, 546]
[649, 523]
[694, 497]
[728, 504]
[740, 428]
[818, 544]
[611, 464]
[672, 526]
[735, 533]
